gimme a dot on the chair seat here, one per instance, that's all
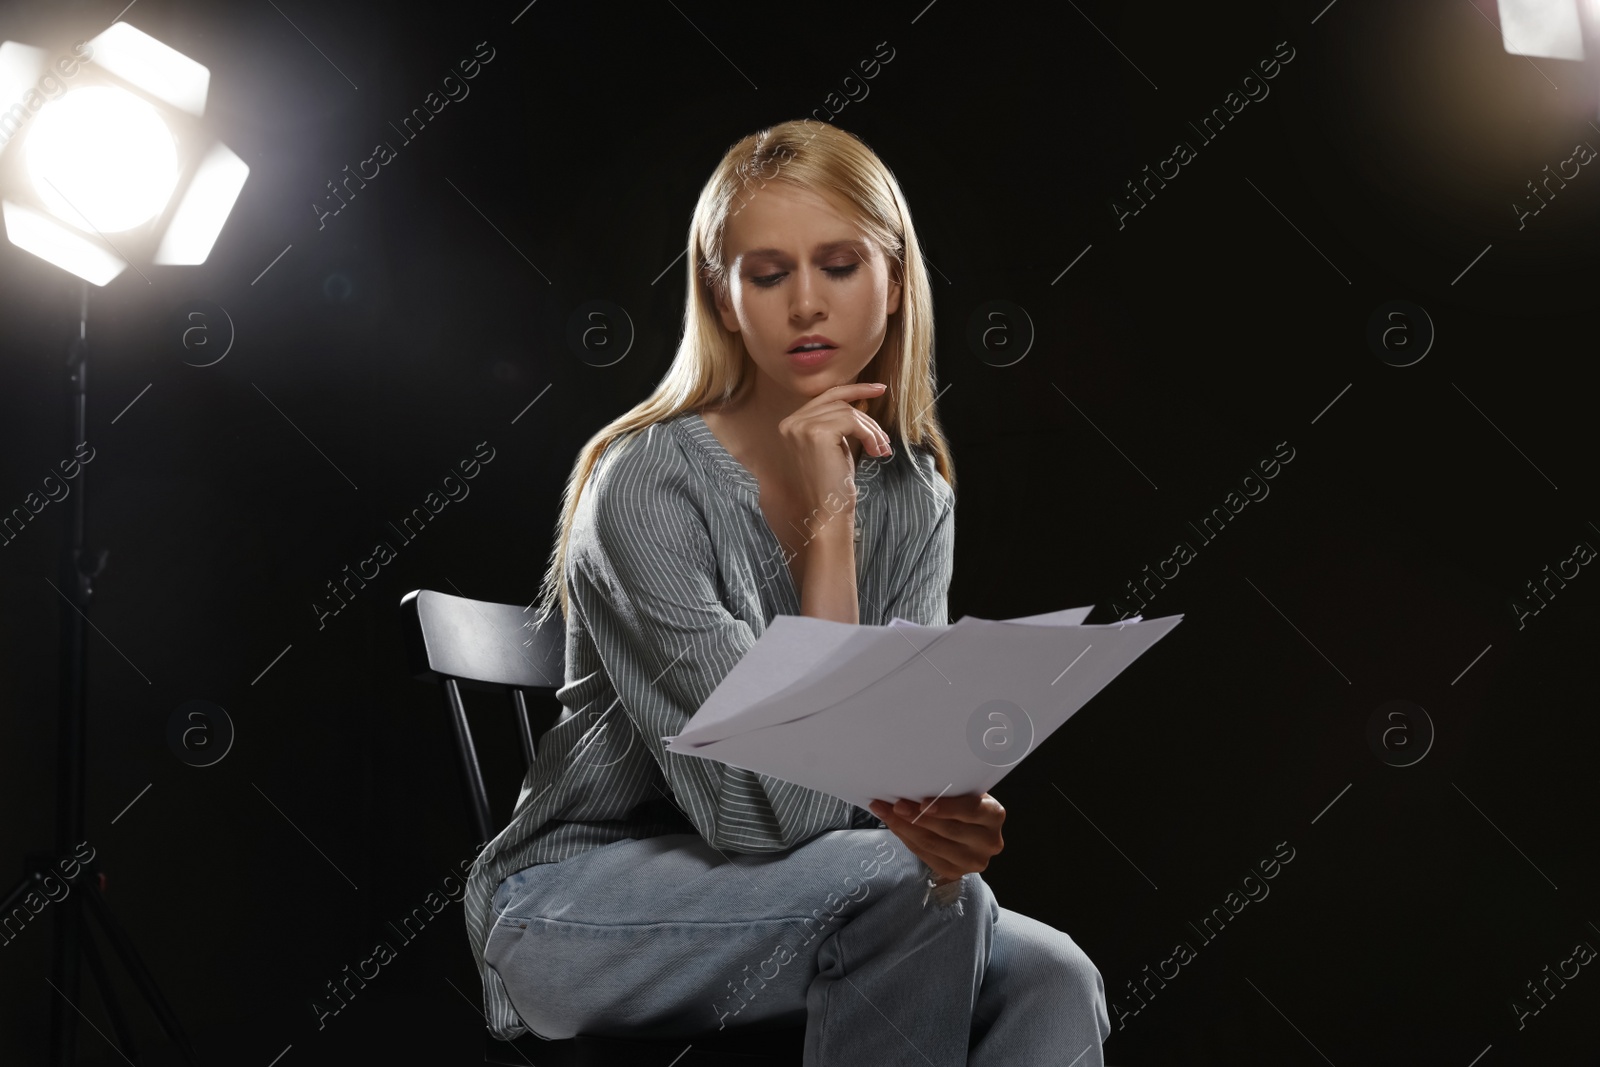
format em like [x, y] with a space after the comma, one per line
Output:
[736, 1046]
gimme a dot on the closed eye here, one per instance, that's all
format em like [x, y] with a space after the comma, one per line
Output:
[769, 280]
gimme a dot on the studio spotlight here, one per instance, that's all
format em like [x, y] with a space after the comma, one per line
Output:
[104, 159]
[1553, 29]
[104, 164]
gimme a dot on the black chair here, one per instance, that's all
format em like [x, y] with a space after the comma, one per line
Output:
[479, 645]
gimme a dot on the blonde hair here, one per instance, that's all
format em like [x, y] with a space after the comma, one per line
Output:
[711, 364]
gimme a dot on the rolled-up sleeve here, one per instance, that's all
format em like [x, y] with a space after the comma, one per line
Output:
[644, 579]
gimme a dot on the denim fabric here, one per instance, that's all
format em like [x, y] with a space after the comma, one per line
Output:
[669, 937]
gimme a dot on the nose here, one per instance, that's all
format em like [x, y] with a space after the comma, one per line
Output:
[807, 302]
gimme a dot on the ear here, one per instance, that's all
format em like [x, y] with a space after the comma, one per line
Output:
[893, 303]
[721, 296]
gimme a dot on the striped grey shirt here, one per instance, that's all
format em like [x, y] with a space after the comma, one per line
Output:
[673, 574]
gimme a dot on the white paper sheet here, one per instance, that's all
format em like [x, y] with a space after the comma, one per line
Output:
[883, 712]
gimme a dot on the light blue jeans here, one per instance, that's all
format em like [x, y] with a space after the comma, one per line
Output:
[669, 937]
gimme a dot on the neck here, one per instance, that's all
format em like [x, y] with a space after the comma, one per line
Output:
[762, 403]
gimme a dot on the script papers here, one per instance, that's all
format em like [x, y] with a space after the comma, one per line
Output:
[908, 711]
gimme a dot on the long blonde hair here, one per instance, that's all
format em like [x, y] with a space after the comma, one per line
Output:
[711, 363]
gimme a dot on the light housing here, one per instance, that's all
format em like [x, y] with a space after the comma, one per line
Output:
[104, 159]
[1551, 29]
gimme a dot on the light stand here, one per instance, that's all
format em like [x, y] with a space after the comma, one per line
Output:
[123, 152]
[76, 584]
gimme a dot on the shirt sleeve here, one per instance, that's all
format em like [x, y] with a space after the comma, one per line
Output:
[921, 596]
[645, 583]
[921, 593]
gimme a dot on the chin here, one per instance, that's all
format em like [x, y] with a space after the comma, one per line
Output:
[821, 384]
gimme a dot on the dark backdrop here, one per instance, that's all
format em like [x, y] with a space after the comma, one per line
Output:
[1164, 356]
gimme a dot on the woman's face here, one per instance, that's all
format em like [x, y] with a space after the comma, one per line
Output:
[797, 266]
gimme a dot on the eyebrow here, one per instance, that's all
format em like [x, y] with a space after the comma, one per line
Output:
[825, 247]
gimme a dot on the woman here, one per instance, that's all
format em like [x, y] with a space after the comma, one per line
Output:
[790, 462]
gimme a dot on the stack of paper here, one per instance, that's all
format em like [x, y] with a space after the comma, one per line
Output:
[885, 712]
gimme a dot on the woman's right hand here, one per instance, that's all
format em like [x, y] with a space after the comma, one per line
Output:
[818, 437]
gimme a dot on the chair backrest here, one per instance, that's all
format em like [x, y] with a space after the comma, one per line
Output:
[451, 639]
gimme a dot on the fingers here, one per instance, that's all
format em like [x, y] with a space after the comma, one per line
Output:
[839, 420]
[947, 859]
[944, 857]
[945, 812]
[953, 839]
[872, 435]
[945, 868]
[856, 389]
[965, 834]
[896, 817]
[972, 807]
[955, 844]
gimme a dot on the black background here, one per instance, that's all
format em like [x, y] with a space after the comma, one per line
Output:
[1229, 315]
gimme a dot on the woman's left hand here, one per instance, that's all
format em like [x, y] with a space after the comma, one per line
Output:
[952, 835]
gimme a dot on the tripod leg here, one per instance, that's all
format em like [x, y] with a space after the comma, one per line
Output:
[33, 880]
[63, 1016]
[108, 997]
[123, 946]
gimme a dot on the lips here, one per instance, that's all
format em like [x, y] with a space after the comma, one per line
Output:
[811, 339]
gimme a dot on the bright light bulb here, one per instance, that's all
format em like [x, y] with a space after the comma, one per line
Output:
[102, 159]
